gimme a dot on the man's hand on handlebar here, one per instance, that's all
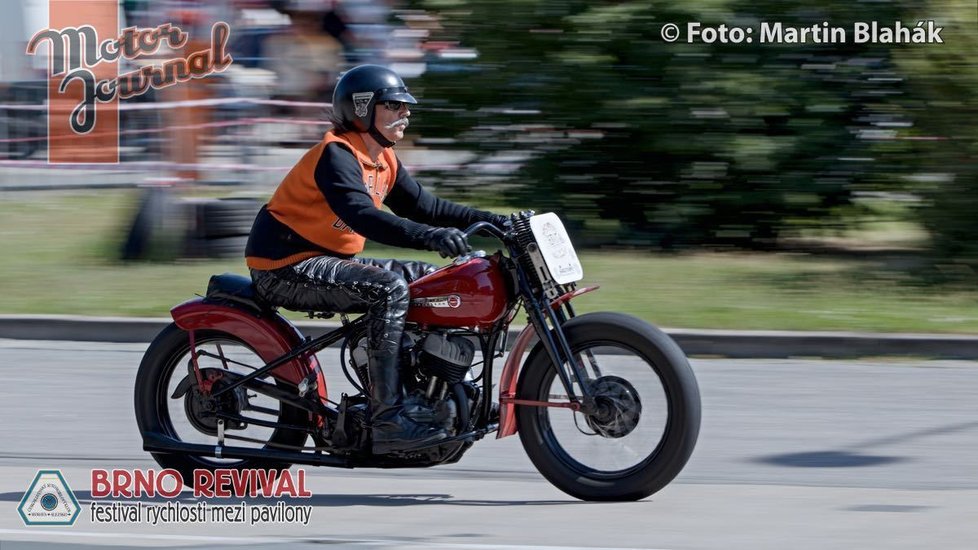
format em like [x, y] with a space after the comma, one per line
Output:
[447, 241]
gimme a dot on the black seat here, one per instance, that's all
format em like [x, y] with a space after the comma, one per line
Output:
[238, 289]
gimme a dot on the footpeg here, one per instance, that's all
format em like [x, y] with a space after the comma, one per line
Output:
[308, 384]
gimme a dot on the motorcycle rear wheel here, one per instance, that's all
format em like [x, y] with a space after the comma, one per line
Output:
[165, 364]
[646, 421]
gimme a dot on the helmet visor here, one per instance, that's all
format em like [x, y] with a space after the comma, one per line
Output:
[396, 94]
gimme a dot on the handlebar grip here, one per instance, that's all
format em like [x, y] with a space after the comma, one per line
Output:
[480, 226]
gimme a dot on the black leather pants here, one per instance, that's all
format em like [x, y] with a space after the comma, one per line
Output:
[378, 288]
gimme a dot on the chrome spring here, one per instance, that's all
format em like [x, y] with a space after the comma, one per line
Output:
[524, 236]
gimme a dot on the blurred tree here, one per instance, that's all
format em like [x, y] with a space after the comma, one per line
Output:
[644, 142]
[943, 80]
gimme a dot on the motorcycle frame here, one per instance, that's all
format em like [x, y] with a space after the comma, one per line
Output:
[488, 342]
[546, 317]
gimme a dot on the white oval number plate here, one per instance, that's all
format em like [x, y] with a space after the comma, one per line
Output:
[556, 248]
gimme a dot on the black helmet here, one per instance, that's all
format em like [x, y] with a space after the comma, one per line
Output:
[359, 90]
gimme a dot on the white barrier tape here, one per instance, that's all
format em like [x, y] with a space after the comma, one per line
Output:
[288, 103]
[23, 107]
[137, 166]
[307, 121]
[217, 101]
[23, 140]
[183, 103]
[241, 122]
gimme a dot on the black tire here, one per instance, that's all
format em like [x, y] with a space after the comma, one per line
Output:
[145, 225]
[226, 217]
[225, 247]
[153, 403]
[680, 403]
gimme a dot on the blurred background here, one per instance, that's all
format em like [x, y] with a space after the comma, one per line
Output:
[810, 186]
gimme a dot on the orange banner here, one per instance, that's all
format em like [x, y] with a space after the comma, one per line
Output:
[84, 86]
[81, 128]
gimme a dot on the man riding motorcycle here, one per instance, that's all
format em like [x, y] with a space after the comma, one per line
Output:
[302, 251]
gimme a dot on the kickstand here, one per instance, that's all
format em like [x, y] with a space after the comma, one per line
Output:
[340, 437]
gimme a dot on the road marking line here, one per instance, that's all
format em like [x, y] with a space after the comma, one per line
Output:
[300, 539]
[475, 546]
[89, 534]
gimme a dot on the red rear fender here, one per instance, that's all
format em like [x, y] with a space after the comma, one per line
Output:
[270, 335]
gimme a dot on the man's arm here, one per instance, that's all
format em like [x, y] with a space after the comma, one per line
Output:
[339, 177]
[409, 199]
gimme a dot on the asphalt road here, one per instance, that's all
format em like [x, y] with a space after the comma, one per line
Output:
[792, 454]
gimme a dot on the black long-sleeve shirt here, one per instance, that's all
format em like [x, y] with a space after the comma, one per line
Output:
[339, 177]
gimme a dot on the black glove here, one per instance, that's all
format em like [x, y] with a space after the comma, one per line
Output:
[447, 241]
[501, 222]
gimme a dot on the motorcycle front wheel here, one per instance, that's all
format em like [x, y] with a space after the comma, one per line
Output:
[190, 417]
[646, 415]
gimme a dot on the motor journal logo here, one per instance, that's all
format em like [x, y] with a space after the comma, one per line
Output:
[160, 497]
[75, 49]
[85, 46]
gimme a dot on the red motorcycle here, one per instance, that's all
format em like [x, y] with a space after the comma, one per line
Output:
[606, 405]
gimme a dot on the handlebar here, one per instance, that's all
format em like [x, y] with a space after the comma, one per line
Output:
[484, 226]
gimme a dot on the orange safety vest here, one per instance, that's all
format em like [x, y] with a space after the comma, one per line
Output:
[299, 204]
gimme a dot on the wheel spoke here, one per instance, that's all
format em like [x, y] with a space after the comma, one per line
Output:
[172, 362]
[629, 417]
[192, 418]
[593, 362]
[220, 356]
[639, 425]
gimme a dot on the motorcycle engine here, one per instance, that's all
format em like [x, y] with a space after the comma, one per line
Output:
[435, 372]
[447, 356]
[436, 364]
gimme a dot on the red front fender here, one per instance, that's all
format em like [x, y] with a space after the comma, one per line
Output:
[271, 336]
[508, 379]
[511, 370]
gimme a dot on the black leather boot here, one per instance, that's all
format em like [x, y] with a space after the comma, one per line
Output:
[391, 429]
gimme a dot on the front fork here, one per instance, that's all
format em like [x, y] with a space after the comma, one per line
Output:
[508, 380]
[548, 320]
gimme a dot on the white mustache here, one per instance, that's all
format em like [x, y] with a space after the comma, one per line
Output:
[398, 122]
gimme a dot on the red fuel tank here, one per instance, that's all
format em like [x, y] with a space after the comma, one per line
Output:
[470, 294]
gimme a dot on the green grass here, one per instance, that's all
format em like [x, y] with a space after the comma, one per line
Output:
[58, 252]
[766, 291]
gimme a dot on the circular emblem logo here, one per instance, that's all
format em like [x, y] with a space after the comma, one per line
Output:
[49, 502]
[454, 301]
